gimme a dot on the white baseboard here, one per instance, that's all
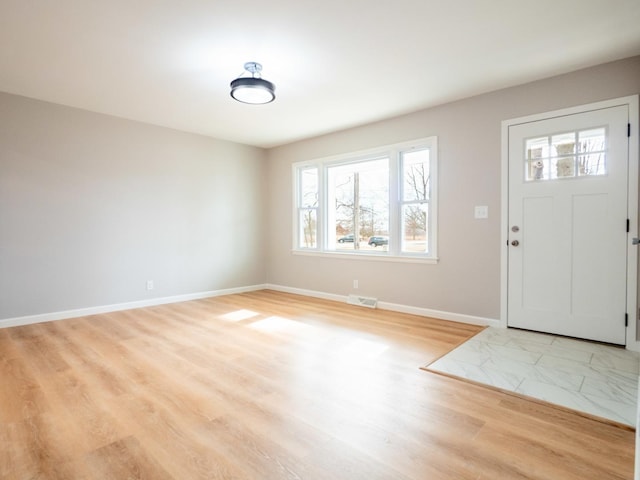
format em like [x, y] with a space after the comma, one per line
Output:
[308, 293]
[423, 312]
[428, 312]
[83, 312]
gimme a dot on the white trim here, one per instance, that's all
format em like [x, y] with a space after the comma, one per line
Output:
[383, 257]
[632, 204]
[307, 293]
[634, 231]
[504, 221]
[589, 107]
[83, 312]
[394, 307]
[439, 314]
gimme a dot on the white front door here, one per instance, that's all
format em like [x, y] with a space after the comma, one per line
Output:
[567, 220]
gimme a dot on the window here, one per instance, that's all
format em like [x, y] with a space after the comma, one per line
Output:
[566, 155]
[379, 203]
[416, 180]
[308, 208]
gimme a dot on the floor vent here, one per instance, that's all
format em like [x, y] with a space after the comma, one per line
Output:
[368, 302]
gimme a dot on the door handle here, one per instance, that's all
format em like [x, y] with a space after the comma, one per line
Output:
[515, 243]
[635, 241]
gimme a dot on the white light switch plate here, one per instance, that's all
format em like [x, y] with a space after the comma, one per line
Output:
[482, 211]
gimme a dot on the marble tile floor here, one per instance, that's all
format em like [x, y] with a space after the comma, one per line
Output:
[601, 380]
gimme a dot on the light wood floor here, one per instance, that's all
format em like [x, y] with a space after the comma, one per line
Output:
[267, 385]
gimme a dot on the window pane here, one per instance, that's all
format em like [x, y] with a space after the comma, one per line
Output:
[566, 155]
[360, 195]
[538, 170]
[564, 167]
[416, 175]
[593, 144]
[537, 154]
[414, 228]
[537, 148]
[593, 164]
[563, 144]
[308, 222]
[309, 187]
[591, 140]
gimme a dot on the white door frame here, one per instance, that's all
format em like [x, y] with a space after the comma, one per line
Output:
[632, 250]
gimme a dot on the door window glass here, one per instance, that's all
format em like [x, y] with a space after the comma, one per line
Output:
[566, 155]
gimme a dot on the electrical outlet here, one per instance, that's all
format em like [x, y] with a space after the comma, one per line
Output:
[149, 284]
[355, 284]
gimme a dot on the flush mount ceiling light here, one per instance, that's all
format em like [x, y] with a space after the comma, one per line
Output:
[253, 89]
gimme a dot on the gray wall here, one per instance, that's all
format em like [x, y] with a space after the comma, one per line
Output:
[467, 278]
[92, 206]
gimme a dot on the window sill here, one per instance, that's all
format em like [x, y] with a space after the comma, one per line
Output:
[379, 257]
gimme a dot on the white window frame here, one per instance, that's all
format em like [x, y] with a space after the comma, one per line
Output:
[394, 253]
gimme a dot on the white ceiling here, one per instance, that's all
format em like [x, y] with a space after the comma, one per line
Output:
[335, 63]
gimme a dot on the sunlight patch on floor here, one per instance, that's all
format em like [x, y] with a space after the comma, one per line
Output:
[279, 324]
[239, 315]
